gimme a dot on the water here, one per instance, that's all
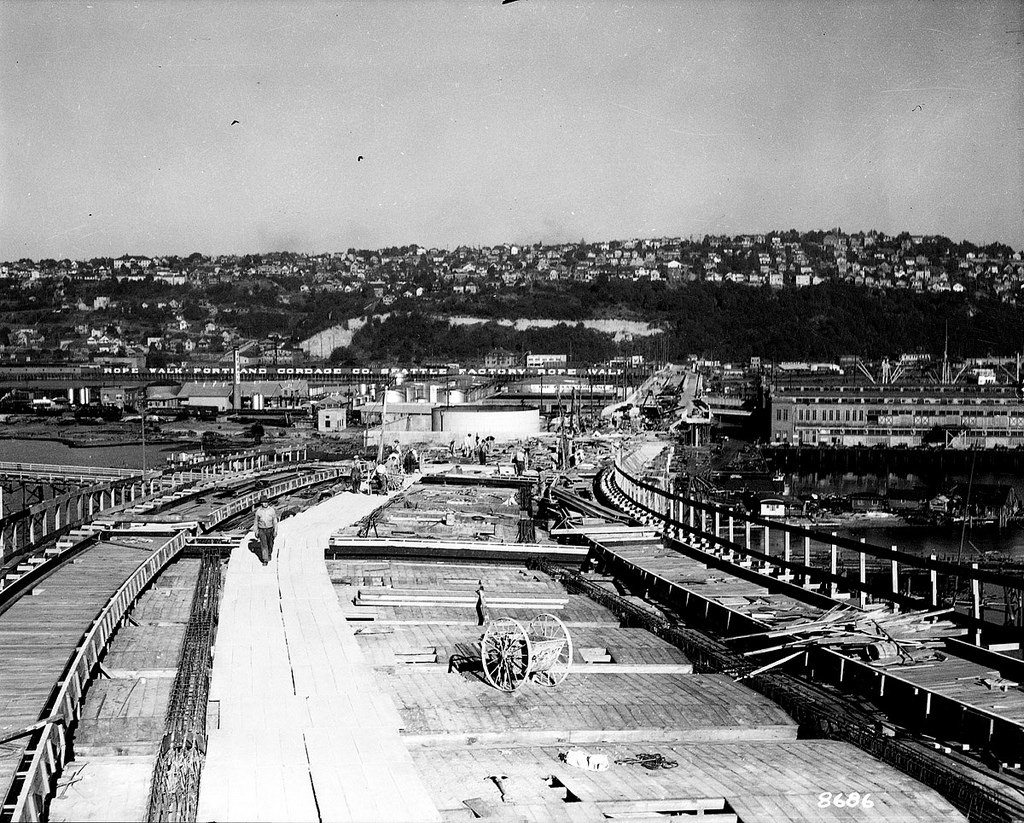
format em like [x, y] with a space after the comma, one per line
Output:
[54, 452]
[850, 483]
[943, 542]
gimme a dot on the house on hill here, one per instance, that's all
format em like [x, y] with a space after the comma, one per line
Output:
[500, 359]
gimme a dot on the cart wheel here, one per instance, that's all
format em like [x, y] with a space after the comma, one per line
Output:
[505, 654]
[548, 627]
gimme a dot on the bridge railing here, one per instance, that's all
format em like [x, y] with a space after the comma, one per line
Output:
[249, 500]
[45, 756]
[29, 527]
[822, 561]
[50, 470]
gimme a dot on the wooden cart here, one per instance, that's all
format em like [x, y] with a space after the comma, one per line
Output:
[512, 653]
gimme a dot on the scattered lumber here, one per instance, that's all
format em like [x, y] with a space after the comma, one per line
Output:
[881, 636]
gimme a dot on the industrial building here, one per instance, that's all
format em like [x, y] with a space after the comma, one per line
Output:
[964, 416]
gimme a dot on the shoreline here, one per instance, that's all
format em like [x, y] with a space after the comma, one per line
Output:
[850, 522]
[895, 521]
[99, 444]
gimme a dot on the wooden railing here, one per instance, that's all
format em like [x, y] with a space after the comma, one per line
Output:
[833, 564]
[9, 469]
[45, 756]
[26, 529]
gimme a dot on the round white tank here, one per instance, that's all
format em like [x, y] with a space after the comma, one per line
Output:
[452, 397]
[503, 422]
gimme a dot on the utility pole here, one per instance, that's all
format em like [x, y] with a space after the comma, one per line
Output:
[142, 410]
[393, 381]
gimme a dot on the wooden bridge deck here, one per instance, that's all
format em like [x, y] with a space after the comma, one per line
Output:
[737, 752]
[762, 782]
[39, 632]
[954, 677]
[303, 732]
[123, 716]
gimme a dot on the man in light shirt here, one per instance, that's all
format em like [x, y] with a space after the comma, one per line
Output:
[266, 529]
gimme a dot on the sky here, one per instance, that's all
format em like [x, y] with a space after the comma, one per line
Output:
[397, 122]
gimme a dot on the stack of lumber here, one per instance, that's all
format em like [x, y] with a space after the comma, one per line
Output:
[457, 598]
[879, 635]
[422, 654]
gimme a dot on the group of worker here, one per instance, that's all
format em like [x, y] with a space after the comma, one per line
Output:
[377, 477]
[473, 446]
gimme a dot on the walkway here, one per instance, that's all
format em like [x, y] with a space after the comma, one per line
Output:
[304, 733]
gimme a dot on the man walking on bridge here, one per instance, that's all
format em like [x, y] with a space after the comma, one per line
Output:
[266, 528]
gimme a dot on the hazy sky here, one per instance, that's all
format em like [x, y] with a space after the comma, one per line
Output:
[480, 123]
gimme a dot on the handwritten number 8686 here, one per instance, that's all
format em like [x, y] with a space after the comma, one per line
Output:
[845, 801]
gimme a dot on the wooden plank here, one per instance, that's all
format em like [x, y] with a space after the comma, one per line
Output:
[619, 808]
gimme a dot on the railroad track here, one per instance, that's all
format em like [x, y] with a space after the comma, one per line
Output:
[57, 618]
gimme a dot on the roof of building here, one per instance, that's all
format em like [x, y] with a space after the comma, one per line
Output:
[162, 392]
[205, 390]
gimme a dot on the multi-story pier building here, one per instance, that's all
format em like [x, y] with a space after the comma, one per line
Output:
[899, 415]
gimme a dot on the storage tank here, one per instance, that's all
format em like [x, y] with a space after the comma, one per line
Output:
[502, 421]
[451, 397]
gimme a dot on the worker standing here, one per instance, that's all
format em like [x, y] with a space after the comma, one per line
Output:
[481, 606]
[266, 529]
[519, 460]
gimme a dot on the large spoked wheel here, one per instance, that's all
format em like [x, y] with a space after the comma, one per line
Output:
[553, 650]
[506, 654]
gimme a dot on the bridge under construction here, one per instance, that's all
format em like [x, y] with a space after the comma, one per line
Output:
[153, 669]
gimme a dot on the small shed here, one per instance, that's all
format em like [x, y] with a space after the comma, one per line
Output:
[771, 507]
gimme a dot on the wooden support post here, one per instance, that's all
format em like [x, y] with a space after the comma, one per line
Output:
[732, 528]
[746, 533]
[767, 547]
[976, 605]
[933, 577]
[862, 576]
[786, 553]
[718, 523]
[895, 570]
[807, 559]
[833, 567]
